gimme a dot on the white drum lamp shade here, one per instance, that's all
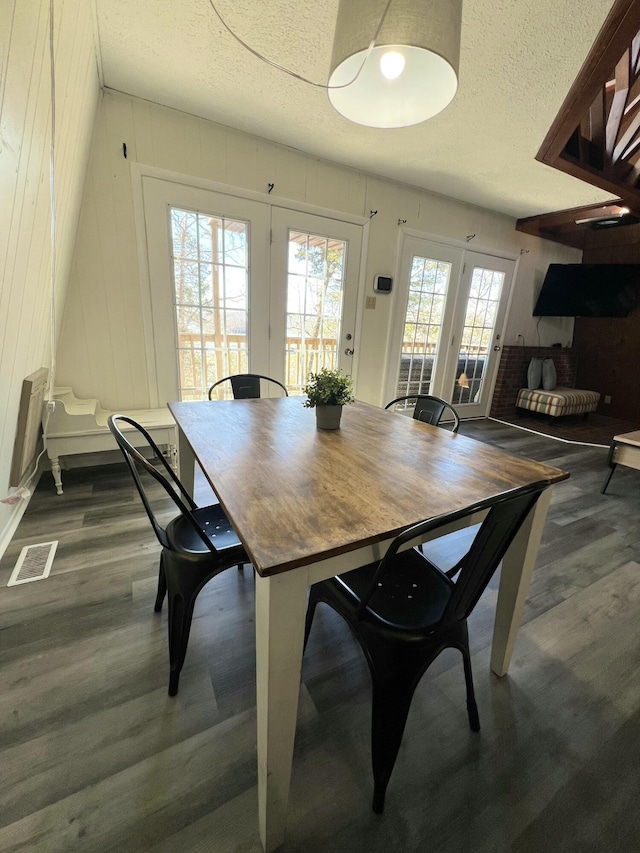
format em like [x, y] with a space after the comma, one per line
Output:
[411, 73]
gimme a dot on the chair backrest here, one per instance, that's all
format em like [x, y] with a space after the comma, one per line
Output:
[161, 471]
[428, 409]
[246, 386]
[506, 514]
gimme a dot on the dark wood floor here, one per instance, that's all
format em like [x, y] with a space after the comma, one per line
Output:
[94, 756]
[594, 429]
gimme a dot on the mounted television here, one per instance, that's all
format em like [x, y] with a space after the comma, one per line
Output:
[589, 290]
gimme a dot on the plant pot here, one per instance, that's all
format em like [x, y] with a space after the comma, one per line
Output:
[328, 417]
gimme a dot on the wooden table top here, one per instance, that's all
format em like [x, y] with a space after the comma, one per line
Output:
[296, 494]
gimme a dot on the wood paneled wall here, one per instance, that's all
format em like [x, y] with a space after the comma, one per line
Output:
[25, 134]
[102, 352]
[609, 348]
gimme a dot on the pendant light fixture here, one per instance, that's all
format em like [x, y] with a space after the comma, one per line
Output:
[395, 66]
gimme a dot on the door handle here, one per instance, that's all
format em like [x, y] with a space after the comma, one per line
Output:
[497, 349]
[348, 351]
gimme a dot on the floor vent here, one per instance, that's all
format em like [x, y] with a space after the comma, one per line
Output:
[34, 563]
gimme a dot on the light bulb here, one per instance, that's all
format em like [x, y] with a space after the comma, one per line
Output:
[391, 64]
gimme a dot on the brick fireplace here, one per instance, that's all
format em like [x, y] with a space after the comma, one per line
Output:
[512, 374]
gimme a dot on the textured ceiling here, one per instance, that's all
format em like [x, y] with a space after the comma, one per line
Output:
[518, 61]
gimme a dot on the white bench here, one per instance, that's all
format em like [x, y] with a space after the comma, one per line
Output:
[80, 426]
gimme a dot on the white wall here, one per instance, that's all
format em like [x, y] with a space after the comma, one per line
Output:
[25, 246]
[102, 352]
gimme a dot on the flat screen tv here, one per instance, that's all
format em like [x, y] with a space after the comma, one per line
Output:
[589, 290]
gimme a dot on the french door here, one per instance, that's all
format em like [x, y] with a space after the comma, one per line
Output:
[449, 325]
[239, 286]
[315, 264]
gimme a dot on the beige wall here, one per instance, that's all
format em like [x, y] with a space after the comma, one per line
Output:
[102, 352]
[25, 244]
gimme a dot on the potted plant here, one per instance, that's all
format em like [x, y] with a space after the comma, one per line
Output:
[328, 391]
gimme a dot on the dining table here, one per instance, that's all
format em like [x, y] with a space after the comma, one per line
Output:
[309, 504]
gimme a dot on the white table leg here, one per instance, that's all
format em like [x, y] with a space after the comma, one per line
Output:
[187, 463]
[172, 452]
[56, 472]
[281, 603]
[517, 568]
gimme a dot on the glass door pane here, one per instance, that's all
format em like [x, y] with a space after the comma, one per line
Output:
[210, 275]
[315, 288]
[428, 284]
[422, 330]
[208, 288]
[481, 313]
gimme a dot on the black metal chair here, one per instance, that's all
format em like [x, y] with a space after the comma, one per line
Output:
[246, 386]
[404, 611]
[197, 544]
[428, 409]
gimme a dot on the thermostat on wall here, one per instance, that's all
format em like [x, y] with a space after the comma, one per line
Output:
[382, 284]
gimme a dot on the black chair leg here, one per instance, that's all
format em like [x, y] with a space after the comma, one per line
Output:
[472, 708]
[182, 589]
[162, 586]
[391, 703]
[608, 477]
[180, 616]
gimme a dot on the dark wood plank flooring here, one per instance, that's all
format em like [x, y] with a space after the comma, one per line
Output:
[595, 429]
[96, 757]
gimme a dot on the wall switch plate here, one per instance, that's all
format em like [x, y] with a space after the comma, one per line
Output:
[370, 302]
[607, 398]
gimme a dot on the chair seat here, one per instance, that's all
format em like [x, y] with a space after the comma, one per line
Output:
[182, 537]
[412, 598]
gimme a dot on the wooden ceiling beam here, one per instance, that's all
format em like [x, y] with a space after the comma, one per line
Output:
[596, 135]
[620, 28]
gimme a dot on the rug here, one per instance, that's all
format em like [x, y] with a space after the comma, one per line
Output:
[596, 429]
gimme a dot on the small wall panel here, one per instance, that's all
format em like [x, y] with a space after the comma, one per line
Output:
[29, 427]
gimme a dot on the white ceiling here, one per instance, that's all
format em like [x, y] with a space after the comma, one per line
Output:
[518, 61]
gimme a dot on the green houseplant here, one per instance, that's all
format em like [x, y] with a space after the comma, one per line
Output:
[328, 391]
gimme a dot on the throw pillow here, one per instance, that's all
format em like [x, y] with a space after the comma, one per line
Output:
[549, 375]
[534, 374]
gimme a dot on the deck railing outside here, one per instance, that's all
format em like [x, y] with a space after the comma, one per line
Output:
[203, 359]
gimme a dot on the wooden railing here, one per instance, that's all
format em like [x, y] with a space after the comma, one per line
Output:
[224, 356]
[227, 355]
[307, 355]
